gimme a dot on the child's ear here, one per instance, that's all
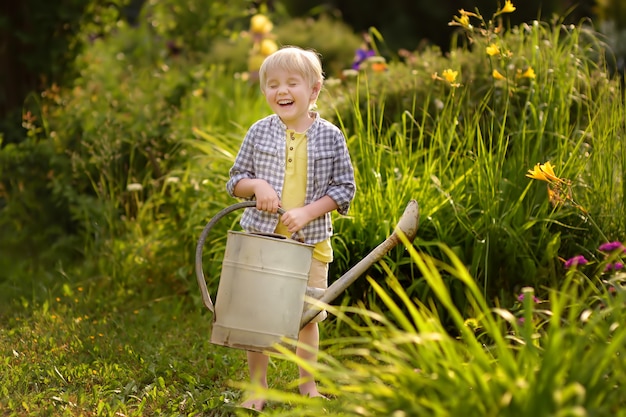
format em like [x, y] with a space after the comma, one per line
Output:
[317, 87]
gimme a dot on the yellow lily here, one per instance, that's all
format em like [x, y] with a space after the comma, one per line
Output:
[529, 73]
[508, 7]
[548, 171]
[544, 172]
[536, 173]
[492, 49]
[496, 74]
[463, 20]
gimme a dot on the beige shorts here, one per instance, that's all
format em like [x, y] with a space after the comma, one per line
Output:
[318, 278]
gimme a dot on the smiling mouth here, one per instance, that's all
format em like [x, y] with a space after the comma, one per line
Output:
[285, 102]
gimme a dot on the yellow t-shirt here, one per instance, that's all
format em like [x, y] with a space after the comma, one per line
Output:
[294, 188]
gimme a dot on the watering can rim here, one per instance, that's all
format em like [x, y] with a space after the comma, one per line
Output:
[271, 236]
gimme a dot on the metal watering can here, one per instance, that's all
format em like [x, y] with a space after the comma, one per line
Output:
[261, 296]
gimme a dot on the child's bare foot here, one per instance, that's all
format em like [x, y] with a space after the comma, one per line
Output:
[309, 389]
[256, 404]
[318, 395]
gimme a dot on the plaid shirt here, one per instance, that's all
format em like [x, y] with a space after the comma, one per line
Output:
[329, 168]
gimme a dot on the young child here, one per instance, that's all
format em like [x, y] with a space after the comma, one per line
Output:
[298, 161]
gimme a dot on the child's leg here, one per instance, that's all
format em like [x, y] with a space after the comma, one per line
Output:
[257, 366]
[309, 336]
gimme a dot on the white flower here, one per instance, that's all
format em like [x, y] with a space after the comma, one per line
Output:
[135, 186]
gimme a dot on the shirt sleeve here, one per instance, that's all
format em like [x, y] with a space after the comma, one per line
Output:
[243, 166]
[342, 187]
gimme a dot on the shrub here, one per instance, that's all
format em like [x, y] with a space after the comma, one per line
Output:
[458, 132]
[332, 38]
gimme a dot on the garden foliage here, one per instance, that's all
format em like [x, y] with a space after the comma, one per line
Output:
[121, 151]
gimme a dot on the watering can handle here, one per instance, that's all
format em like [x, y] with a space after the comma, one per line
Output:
[206, 297]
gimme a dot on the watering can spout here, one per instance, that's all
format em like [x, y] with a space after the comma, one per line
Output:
[409, 221]
[407, 226]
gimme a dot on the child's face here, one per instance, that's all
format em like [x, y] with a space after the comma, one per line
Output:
[289, 95]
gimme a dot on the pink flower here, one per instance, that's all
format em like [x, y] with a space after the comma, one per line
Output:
[520, 298]
[576, 260]
[611, 246]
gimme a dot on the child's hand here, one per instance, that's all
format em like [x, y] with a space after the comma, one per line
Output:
[295, 219]
[266, 197]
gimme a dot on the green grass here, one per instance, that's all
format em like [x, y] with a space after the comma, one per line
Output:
[141, 351]
[82, 353]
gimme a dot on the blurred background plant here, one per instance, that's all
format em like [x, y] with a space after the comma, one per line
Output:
[262, 44]
[611, 22]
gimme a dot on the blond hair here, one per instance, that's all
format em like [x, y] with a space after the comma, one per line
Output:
[305, 62]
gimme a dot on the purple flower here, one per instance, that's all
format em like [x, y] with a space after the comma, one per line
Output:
[610, 246]
[360, 56]
[615, 267]
[576, 260]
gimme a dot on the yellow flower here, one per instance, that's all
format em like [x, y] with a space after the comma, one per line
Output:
[471, 323]
[463, 20]
[268, 47]
[508, 7]
[543, 172]
[493, 49]
[449, 75]
[496, 74]
[529, 73]
[260, 24]
[536, 173]
[548, 171]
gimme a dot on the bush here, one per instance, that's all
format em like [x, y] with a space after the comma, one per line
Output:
[458, 133]
[332, 38]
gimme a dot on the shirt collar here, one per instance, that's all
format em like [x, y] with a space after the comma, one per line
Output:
[316, 119]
